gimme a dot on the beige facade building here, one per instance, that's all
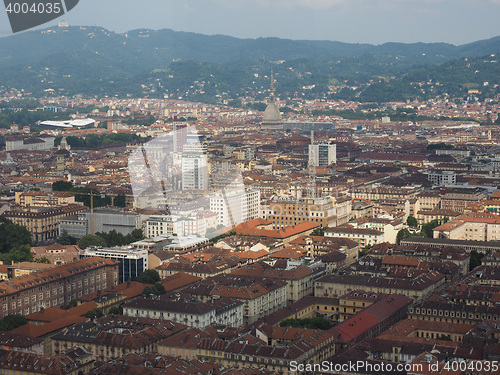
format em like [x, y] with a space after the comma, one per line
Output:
[57, 286]
[44, 198]
[471, 227]
[299, 280]
[43, 223]
[415, 287]
[363, 236]
[325, 211]
[260, 296]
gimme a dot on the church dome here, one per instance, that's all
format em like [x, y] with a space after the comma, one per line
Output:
[272, 113]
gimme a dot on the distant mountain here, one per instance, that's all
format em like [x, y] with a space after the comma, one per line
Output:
[92, 60]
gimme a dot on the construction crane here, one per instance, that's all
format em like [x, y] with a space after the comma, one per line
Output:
[92, 195]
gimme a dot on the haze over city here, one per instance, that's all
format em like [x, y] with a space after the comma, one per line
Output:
[353, 21]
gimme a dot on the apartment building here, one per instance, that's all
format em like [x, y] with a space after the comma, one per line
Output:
[374, 193]
[299, 280]
[112, 337]
[182, 308]
[267, 346]
[362, 236]
[57, 286]
[73, 361]
[415, 287]
[260, 296]
[389, 227]
[236, 206]
[43, 223]
[44, 198]
[325, 211]
[429, 200]
[461, 200]
[470, 227]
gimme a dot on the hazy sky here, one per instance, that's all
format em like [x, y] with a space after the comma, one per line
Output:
[354, 21]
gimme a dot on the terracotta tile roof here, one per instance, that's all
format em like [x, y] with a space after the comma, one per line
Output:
[178, 280]
[54, 326]
[68, 362]
[259, 271]
[18, 340]
[249, 229]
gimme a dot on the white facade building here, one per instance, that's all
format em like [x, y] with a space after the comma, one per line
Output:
[235, 207]
[441, 178]
[194, 168]
[158, 225]
[322, 154]
[133, 262]
[220, 311]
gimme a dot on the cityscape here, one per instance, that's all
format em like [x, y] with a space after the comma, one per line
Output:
[172, 205]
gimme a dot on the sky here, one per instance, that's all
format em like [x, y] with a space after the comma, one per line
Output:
[353, 21]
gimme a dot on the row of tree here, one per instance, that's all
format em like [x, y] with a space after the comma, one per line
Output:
[109, 239]
[426, 230]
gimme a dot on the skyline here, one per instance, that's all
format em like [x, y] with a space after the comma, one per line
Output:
[356, 21]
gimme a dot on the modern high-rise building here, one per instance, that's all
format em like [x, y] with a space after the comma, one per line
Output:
[194, 167]
[133, 262]
[322, 154]
[235, 207]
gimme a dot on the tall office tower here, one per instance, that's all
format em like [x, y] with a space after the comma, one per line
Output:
[235, 206]
[322, 154]
[194, 167]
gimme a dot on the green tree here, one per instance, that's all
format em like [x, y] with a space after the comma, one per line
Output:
[120, 200]
[318, 231]
[148, 277]
[157, 289]
[402, 234]
[91, 240]
[66, 239]
[10, 322]
[135, 235]
[62, 185]
[86, 194]
[427, 228]
[12, 235]
[444, 337]
[412, 221]
[43, 260]
[311, 323]
[94, 313]
[112, 238]
[17, 254]
[475, 259]
[116, 309]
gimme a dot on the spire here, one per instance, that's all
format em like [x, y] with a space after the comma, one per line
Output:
[271, 97]
[312, 172]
